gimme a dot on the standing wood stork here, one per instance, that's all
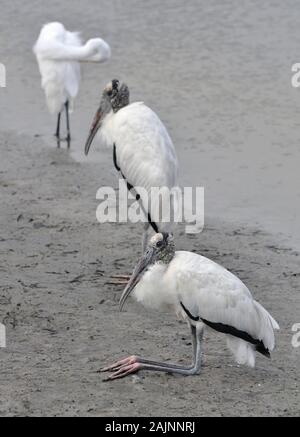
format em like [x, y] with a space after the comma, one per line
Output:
[59, 53]
[143, 152]
[203, 293]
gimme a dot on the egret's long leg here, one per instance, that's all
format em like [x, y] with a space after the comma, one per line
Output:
[68, 123]
[57, 133]
[134, 364]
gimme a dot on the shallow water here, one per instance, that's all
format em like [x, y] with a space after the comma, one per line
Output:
[218, 74]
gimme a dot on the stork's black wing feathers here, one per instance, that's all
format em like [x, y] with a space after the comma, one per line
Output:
[226, 329]
[130, 187]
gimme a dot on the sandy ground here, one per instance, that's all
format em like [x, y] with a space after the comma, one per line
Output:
[61, 315]
[63, 320]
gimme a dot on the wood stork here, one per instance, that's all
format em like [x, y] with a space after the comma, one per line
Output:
[59, 53]
[143, 152]
[203, 293]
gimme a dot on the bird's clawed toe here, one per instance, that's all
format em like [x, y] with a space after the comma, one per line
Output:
[122, 368]
[125, 277]
[118, 280]
[123, 371]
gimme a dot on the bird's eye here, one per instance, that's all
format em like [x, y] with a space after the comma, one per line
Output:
[159, 243]
[115, 84]
[109, 93]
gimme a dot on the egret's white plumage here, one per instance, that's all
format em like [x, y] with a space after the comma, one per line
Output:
[59, 53]
[143, 150]
[203, 293]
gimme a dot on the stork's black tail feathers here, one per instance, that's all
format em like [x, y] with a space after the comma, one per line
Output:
[226, 329]
[260, 347]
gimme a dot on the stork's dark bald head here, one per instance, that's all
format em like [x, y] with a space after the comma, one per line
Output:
[163, 246]
[117, 94]
[114, 98]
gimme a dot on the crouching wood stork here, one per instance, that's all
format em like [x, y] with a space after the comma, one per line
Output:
[59, 53]
[203, 293]
[143, 152]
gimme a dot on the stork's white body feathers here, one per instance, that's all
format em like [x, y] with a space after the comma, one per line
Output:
[144, 149]
[210, 292]
[59, 53]
[146, 157]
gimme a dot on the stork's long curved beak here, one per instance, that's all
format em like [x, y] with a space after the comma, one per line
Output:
[94, 129]
[139, 271]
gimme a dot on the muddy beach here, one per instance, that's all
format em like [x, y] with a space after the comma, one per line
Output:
[236, 133]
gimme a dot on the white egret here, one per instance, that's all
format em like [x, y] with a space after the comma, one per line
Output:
[143, 152]
[59, 53]
[203, 293]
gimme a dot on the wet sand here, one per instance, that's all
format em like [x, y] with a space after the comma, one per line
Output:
[62, 317]
[225, 95]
